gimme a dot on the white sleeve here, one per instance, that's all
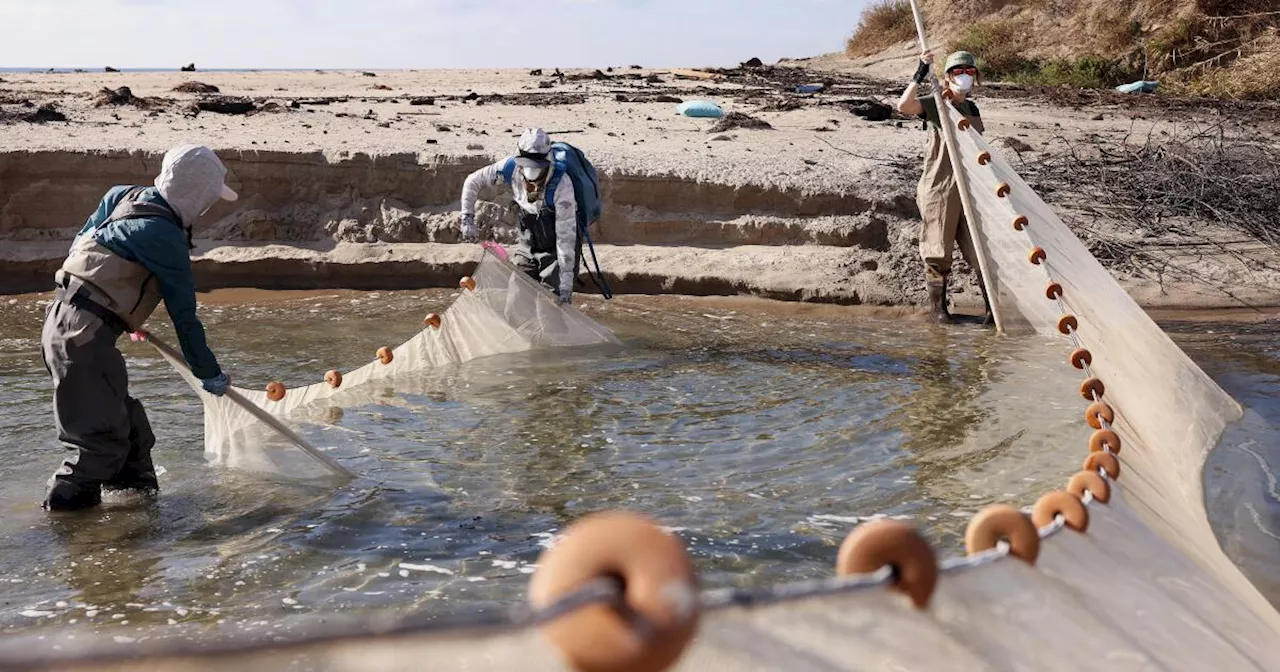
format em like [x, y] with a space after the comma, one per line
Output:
[566, 235]
[485, 177]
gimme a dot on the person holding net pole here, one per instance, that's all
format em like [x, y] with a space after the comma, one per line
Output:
[938, 193]
[133, 252]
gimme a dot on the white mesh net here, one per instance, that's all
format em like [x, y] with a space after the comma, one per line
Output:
[507, 312]
[1168, 411]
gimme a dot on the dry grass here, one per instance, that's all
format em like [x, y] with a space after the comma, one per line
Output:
[1220, 48]
[997, 44]
[883, 24]
[1250, 78]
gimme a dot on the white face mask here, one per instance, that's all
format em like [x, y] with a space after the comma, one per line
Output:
[532, 174]
[963, 82]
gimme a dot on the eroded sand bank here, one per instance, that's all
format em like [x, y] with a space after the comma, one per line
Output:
[352, 181]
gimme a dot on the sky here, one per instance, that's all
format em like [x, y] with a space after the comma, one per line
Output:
[410, 34]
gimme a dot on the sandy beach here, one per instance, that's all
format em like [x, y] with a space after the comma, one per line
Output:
[351, 179]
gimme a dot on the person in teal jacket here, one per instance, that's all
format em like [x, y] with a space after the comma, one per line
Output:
[133, 252]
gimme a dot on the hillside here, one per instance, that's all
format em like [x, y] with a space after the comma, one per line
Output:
[1221, 48]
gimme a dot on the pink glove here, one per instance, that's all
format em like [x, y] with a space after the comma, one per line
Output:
[139, 336]
[498, 251]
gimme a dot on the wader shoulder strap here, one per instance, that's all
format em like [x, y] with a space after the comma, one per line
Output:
[130, 208]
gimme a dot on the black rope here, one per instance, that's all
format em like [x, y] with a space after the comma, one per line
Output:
[598, 276]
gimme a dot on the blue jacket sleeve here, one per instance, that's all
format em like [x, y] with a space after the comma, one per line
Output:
[163, 251]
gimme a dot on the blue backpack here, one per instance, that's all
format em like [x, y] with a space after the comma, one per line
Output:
[569, 160]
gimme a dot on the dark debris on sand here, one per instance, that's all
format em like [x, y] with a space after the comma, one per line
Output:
[223, 106]
[195, 87]
[123, 96]
[45, 113]
[533, 99]
[1156, 106]
[736, 120]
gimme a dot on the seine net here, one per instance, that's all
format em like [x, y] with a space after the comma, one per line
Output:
[506, 313]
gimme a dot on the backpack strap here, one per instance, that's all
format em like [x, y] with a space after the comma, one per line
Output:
[558, 172]
[581, 216]
[598, 276]
[508, 171]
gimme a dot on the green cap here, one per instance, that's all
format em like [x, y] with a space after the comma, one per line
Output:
[960, 58]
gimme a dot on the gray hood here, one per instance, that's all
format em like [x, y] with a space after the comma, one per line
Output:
[191, 180]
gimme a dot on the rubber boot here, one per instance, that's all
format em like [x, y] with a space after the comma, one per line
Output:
[70, 496]
[938, 303]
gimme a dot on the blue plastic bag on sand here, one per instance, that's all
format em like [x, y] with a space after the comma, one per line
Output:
[699, 108]
[1138, 87]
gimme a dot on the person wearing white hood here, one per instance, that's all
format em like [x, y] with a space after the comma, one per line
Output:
[938, 194]
[547, 247]
[133, 252]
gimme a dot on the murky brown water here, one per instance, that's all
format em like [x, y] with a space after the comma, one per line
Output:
[759, 434]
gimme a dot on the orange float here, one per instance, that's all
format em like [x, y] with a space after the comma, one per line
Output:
[658, 586]
[1099, 413]
[1092, 389]
[1090, 481]
[1104, 439]
[468, 283]
[1073, 511]
[1105, 461]
[334, 378]
[275, 390]
[385, 355]
[895, 544]
[432, 320]
[1002, 522]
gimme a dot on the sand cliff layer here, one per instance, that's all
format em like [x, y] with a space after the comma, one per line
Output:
[344, 186]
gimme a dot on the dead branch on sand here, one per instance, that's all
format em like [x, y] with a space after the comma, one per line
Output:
[1121, 195]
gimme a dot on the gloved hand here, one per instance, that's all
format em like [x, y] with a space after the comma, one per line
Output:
[139, 336]
[469, 232]
[218, 385]
[922, 72]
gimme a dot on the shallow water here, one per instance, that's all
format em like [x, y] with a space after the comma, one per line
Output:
[1241, 492]
[760, 436]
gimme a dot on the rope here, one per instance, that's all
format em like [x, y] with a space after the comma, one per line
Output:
[1076, 343]
[976, 560]
[1059, 522]
[604, 590]
[731, 597]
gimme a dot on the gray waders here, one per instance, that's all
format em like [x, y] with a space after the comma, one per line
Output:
[99, 296]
